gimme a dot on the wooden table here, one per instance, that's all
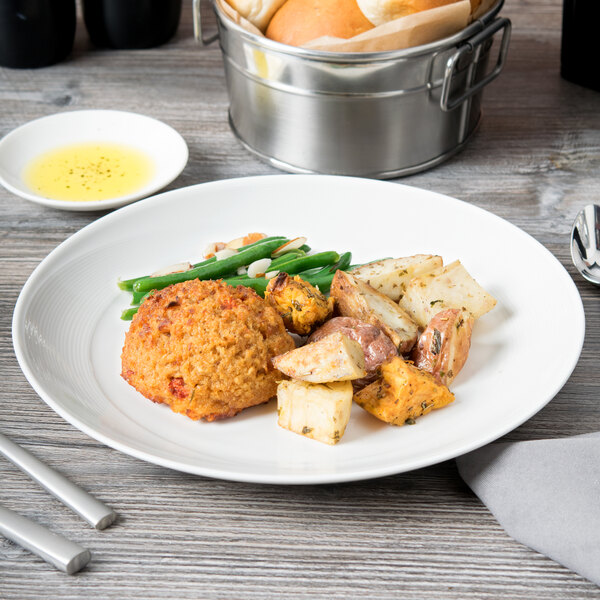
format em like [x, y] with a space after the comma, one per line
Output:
[423, 534]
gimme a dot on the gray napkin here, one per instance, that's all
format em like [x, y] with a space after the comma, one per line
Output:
[546, 495]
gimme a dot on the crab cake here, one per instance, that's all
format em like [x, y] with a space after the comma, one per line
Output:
[205, 349]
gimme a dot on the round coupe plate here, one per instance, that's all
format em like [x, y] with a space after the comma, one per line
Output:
[160, 142]
[68, 336]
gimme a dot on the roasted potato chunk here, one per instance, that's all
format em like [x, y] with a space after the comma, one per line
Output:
[317, 411]
[447, 287]
[376, 346]
[333, 358]
[359, 300]
[391, 275]
[443, 348]
[302, 306]
[403, 393]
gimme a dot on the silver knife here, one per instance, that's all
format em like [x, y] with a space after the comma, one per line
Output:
[53, 548]
[90, 509]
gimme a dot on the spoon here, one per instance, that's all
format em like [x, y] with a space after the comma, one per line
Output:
[585, 243]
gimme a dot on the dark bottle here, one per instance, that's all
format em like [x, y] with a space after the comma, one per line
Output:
[580, 50]
[130, 24]
[35, 33]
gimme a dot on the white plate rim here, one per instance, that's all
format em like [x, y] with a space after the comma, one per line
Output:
[95, 205]
[242, 476]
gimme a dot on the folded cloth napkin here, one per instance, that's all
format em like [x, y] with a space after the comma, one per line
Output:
[546, 495]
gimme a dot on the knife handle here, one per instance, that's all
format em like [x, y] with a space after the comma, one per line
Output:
[90, 509]
[53, 548]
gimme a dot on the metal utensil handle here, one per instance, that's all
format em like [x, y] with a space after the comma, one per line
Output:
[197, 18]
[448, 104]
[53, 548]
[90, 509]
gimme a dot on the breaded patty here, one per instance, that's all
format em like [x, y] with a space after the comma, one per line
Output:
[205, 349]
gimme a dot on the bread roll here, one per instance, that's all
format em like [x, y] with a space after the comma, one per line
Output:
[300, 21]
[258, 12]
[476, 5]
[379, 12]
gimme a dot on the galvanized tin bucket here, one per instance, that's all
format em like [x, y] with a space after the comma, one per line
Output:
[369, 114]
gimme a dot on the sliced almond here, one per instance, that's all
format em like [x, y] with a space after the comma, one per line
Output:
[176, 268]
[294, 244]
[212, 249]
[225, 253]
[235, 244]
[258, 267]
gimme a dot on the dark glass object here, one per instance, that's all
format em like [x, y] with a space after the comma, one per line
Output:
[130, 24]
[580, 51]
[35, 33]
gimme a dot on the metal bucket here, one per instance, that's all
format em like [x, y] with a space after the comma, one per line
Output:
[369, 114]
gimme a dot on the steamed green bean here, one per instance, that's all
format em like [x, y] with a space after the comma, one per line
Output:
[216, 270]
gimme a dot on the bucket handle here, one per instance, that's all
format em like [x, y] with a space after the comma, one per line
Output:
[198, 33]
[448, 104]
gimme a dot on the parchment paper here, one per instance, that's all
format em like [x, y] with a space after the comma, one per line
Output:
[406, 32]
[235, 16]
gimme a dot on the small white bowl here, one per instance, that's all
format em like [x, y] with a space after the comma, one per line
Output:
[158, 141]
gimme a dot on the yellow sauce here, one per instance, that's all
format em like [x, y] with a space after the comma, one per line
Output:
[91, 171]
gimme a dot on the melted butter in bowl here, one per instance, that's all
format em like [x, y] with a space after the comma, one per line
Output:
[87, 160]
[90, 171]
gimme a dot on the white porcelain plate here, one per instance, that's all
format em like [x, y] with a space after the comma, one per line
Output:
[68, 336]
[164, 146]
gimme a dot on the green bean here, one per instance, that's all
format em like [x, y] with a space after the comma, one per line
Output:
[319, 271]
[317, 276]
[212, 259]
[310, 272]
[323, 282]
[323, 277]
[343, 263]
[284, 258]
[127, 284]
[258, 284]
[320, 278]
[138, 297]
[266, 240]
[128, 313]
[310, 261]
[216, 270]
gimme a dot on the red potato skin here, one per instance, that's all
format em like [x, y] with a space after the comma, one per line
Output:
[349, 291]
[443, 347]
[377, 347]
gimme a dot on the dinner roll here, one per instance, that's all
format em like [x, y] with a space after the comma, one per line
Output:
[300, 21]
[258, 12]
[379, 12]
[476, 5]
